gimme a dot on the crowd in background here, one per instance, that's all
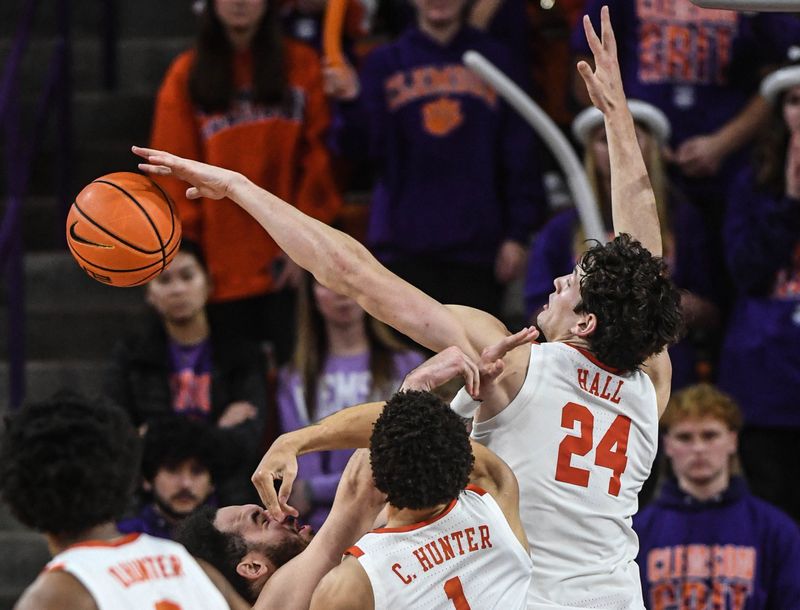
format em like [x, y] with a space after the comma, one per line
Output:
[467, 204]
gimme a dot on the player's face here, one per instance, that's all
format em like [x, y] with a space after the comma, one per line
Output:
[337, 310]
[255, 525]
[791, 109]
[439, 13]
[182, 488]
[700, 449]
[558, 316]
[180, 293]
[240, 14]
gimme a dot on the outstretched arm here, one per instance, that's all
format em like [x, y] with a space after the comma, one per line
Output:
[633, 203]
[335, 259]
[354, 510]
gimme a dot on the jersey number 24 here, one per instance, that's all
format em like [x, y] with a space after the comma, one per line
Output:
[610, 451]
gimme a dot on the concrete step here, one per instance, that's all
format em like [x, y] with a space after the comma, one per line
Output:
[23, 557]
[142, 63]
[151, 18]
[45, 377]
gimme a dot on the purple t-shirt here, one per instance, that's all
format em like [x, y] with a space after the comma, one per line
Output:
[190, 378]
[345, 381]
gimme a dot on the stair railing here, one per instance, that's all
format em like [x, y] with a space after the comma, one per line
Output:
[21, 150]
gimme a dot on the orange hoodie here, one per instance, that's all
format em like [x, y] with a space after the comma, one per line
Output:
[280, 149]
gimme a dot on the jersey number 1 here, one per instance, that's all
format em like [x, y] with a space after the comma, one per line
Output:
[455, 593]
[610, 451]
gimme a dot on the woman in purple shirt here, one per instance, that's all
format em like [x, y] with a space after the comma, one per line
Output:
[342, 357]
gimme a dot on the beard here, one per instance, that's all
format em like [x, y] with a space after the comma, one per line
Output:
[283, 552]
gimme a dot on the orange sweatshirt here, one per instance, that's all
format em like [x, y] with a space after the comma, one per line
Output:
[280, 149]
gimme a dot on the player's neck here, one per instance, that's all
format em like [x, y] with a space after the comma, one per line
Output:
[189, 332]
[59, 543]
[347, 340]
[402, 517]
[705, 490]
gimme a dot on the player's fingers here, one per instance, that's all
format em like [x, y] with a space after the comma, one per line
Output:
[283, 496]
[595, 44]
[585, 70]
[145, 153]
[193, 193]
[607, 32]
[155, 169]
[265, 486]
[472, 377]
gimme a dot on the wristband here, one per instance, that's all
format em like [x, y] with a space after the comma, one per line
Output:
[464, 405]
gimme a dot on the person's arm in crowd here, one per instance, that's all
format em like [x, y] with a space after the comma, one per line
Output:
[354, 511]
[175, 128]
[702, 155]
[761, 230]
[633, 203]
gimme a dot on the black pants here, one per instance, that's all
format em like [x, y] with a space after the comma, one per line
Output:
[453, 283]
[769, 459]
[265, 318]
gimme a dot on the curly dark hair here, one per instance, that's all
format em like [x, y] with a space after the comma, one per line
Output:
[637, 305]
[68, 464]
[420, 451]
[222, 550]
[173, 439]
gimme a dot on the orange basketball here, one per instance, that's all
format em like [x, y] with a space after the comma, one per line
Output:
[122, 229]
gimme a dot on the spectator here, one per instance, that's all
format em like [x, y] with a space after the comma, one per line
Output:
[706, 537]
[458, 192]
[342, 357]
[760, 363]
[67, 469]
[182, 364]
[251, 101]
[179, 467]
[561, 243]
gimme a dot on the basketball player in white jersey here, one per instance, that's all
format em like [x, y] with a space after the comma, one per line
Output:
[453, 535]
[576, 418]
[67, 468]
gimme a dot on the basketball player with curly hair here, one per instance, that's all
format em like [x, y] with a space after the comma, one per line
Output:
[575, 418]
[68, 466]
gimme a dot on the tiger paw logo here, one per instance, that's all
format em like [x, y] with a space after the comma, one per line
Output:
[442, 116]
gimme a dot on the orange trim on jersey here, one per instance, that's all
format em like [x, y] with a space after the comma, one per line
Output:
[416, 526]
[126, 539]
[354, 551]
[54, 568]
[478, 490]
[594, 360]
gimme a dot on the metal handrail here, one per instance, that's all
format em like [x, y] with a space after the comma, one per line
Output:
[21, 151]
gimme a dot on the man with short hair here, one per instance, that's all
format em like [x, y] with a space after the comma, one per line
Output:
[67, 468]
[179, 469]
[576, 418]
[705, 536]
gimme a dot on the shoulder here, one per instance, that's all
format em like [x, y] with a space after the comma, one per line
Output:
[178, 71]
[300, 58]
[55, 590]
[345, 587]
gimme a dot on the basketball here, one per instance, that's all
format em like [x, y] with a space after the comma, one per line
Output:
[122, 229]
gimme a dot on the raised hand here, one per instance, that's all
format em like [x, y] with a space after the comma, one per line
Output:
[278, 464]
[441, 368]
[206, 180]
[604, 83]
[491, 364]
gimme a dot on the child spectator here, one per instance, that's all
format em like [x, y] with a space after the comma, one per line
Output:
[183, 364]
[342, 357]
[760, 363]
[179, 467]
[248, 100]
[706, 541]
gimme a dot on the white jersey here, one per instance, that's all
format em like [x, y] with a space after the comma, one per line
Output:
[140, 572]
[581, 440]
[467, 553]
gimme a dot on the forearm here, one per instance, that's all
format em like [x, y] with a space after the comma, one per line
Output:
[740, 130]
[347, 429]
[633, 203]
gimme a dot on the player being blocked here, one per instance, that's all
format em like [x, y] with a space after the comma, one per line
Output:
[575, 418]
